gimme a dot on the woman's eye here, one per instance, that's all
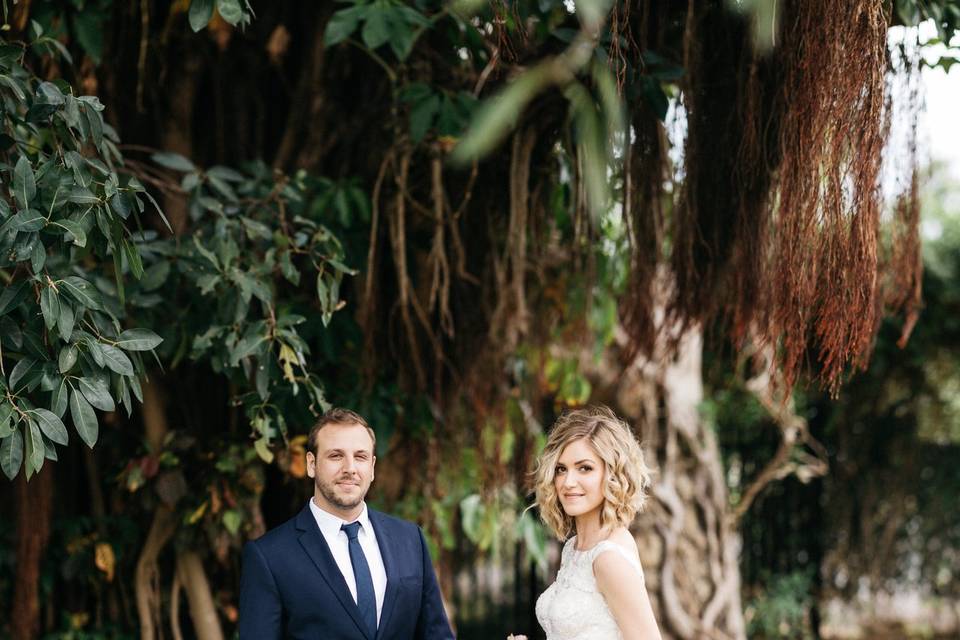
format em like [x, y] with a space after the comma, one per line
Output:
[560, 470]
[586, 469]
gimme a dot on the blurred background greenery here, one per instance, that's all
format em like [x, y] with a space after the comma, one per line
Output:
[719, 218]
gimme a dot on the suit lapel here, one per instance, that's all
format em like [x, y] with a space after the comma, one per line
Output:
[389, 565]
[316, 547]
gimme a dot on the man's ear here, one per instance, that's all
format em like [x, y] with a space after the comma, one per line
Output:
[373, 468]
[311, 464]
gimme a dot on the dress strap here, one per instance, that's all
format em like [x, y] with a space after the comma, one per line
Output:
[607, 545]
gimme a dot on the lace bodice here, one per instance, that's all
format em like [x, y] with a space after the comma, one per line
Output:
[572, 608]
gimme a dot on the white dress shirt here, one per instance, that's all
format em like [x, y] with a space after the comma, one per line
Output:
[340, 548]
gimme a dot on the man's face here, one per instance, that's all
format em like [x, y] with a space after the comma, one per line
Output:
[341, 467]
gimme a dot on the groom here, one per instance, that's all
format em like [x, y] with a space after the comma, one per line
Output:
[338, 570]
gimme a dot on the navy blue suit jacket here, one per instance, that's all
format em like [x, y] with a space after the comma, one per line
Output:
[292, 589]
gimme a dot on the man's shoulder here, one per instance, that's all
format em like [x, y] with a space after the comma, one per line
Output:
[278, 537]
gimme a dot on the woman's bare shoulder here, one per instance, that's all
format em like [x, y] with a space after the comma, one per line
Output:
[622, 537]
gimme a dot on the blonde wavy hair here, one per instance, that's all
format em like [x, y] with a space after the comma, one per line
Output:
[627, 475]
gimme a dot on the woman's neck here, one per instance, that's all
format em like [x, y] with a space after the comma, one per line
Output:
[589, 532]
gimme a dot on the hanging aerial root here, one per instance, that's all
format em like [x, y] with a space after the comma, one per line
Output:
[903, 262]
[511, 317]
[645, 168]
[439, 264]
[832, 135]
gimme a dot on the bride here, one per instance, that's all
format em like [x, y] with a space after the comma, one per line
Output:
[590, 483]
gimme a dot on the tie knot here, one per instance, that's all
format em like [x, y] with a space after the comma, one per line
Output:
[352, 529]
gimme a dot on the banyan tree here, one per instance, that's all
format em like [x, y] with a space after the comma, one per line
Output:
[546, 202]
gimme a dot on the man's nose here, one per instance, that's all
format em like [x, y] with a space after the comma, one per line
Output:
[349, 464]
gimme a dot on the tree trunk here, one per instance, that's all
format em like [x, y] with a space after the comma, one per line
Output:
[203, 611]
[34, 504]
[147, 580]
[688, 541]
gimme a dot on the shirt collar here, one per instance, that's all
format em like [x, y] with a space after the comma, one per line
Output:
[330, 524]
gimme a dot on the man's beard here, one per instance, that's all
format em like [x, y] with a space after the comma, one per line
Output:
[328, 491]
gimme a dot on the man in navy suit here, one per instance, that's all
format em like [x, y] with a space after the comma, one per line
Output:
[337, 570]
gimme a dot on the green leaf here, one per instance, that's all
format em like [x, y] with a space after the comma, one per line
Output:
[422, 115]
[155, 275]
[49, 307]
[138, 340]
[67, 358]
[534, 538]
[24, 183]
[14, 86]
[342, 268]
[97, 393]
[95, 125]
[168, 159]
[65, 320]
[376, 29]
[497, 116]
[471, 510]
[206, 253]
[6, 412]
[222, 187]
[403, 30]
[342, 25]
[38, 257]
[20, 370]
[11, 454]
[120, 203]
[230, 11]
[82, 195]
[58, 398]
[262, 447]
[246, 347]
[83, 292]
[133, 259]
[51, 426]
[232, 519]
[225, 173]
[75, 232]
[29, 220]
[49, 93]
[33, 447]
[12, 296]
[84, 419]
[116, 360]
[200, 13]
[95, 350]
[10, 53]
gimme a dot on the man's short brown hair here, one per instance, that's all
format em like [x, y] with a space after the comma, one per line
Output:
[338, 416]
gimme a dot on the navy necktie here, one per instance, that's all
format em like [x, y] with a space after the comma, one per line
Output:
[366, 599]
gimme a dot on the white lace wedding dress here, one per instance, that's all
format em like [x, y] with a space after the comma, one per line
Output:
[572, 608]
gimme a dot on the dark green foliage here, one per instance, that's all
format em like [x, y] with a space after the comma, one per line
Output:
[66, 250]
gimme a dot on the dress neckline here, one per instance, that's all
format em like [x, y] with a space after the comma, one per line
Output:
[573, 545]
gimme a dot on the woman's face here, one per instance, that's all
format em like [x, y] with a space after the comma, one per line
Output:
[578, 479]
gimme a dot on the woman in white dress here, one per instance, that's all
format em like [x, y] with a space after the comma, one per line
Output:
[590, 483]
